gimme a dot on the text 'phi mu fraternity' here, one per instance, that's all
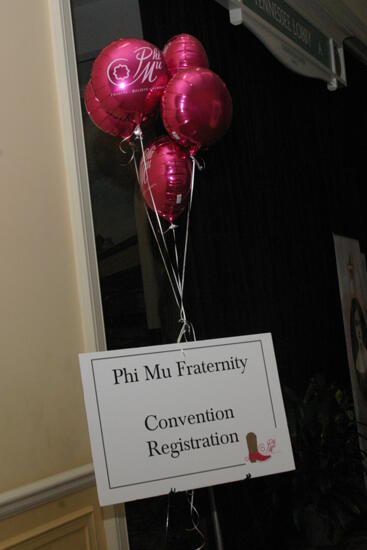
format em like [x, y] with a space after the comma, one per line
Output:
[181, 368]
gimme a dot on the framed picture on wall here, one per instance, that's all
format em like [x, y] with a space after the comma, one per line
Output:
[364, 276]
[352, 275]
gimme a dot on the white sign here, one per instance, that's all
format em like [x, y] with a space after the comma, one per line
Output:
[183, 416]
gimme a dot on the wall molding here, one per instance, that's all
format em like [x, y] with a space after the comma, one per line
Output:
[72, 134]
[51, 532]
[41, 492]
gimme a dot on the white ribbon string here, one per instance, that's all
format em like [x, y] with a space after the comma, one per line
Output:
[195, 518]
[174, 290]
[188, 225]
[173, 229]
[124, 151]
[139, 134]
[158, 244]
[177, 285]
[200, 163]
[187, 327]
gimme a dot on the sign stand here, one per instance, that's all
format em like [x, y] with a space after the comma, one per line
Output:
[216, 524]
[170, 494]
[218, 539]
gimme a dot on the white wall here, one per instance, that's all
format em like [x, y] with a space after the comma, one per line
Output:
[42, 422]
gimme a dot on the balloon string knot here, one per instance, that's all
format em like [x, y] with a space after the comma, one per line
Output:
[137, 132]
[129, 150]
[172, 227]
[186, 329]
[199, 162]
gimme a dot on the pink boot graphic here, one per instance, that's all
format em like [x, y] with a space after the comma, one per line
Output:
[253, 452]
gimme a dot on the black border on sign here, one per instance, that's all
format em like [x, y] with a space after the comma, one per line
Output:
[173, 351]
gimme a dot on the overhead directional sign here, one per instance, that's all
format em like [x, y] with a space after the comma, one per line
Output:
[295, 27]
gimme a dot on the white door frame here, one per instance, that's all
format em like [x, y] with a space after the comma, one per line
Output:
[81, 211]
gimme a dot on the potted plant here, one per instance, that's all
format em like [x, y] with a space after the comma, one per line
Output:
[327, 490]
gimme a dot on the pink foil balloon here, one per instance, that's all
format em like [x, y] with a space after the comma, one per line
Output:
[168, 175]
[184, 52]
[104, 121]
[129, 77]
[196, 108]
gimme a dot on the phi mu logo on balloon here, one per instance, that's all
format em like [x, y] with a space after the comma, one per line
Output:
[149, 60]
[148, 161]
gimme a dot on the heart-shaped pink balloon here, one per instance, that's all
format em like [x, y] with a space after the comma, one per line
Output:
[165, 178]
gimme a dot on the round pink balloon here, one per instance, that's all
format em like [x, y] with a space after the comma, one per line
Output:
[104, 121]
[184, 52]
[196, 108]
[167, 178]
[129, 77]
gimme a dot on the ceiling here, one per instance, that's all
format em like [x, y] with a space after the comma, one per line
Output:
[343, 20]
[340, 19]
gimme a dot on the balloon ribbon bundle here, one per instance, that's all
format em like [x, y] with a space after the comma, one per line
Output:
[130, 79]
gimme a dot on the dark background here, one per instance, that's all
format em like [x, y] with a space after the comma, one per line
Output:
[288, 174]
